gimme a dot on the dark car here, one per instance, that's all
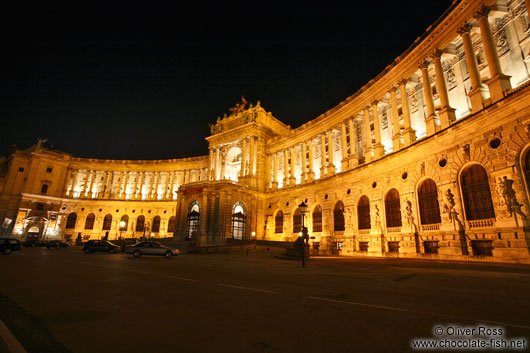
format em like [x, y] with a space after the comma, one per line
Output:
[56, 244]
[100, 246]
[151, 248]
[8, 245]
[33, 242]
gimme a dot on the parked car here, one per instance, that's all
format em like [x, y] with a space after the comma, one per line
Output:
[33, 242]
[100, 246]
[8, 245]
[56, 244]
[151, 248]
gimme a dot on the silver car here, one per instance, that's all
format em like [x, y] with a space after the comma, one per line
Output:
[151, 248]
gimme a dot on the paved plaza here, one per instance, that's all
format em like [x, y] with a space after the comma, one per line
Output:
[65, 300]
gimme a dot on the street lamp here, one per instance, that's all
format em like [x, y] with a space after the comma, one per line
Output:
[303, 209]
[122, 225]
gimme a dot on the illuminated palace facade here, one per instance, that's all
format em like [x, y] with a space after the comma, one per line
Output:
[428, 159]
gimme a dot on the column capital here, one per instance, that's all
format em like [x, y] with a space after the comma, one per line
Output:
[423, 64]
[403, 82]
[464, 28]
[436, 54]
[481, 12]
[391, 89]
[374, 102]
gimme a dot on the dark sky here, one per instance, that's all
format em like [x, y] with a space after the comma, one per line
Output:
[142, 80]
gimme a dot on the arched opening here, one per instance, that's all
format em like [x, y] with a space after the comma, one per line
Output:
[476, 193]
[71, 220]
[392, 209]
[239, 221]
[338, 217]
[363, 213]
[194, 217]
[89, 221]
[124, 222]
[156, 225]
[317, 219]
[140, 223]
[278, 222]
[297, 221]
[171, 224]
[428, 202]
[107, 222]
[526, 170]
[233, 164]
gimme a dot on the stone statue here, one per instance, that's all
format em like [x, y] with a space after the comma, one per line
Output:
[410, 216]
[508, 193]
[40, 142]
[212, 128]
[449, 208]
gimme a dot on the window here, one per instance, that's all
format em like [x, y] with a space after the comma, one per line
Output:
[393, 209]
[20, 169]
[171, 224]
[239, 221]
[194, 217]
[89, 222]
[393, 246]
[40, 207]
[156, 224]
[482, 247]
[48, 170]
[428, 202]
[527, 170]
[107, 222]
[297, 221]
[363, 246]
[124, 221]
[278, 222]
[317, 219]
[70, 221]
[338, 217]
[363, 213]
[44, 189]
[476, 193]
[140, 223]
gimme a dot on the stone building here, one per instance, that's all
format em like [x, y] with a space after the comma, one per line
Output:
[428, 159]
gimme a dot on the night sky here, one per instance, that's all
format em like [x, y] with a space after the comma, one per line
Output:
[142, 80]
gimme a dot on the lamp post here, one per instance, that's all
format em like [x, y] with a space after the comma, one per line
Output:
[303, 209]
[122, 224]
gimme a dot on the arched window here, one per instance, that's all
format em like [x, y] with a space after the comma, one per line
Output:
[363, 213]
[297, 221]
[239, 221]
[171, 224]
[70, 221]
[140, 223]
[428, 202]
[278, 222]
[317, 219]
[194, 217]
[526, 168]
[125, 220]
[393, 209]
[338, 217]
[89, 221]
[476, 193]
[156, 225]
[107, 222]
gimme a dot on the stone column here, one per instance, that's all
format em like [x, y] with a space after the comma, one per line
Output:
[203, 235]
[108, 183]
[304, 162]
[344, 143]
[409, 135]
[478, 92]
[141, 177]
[85, 186]
[368, 136]
[274, 170]
[244, 157]
[252, 156]
[396, 129]
[331, 165]
[310, 173]
[125, 180]
[379, 149]
[285, 167]
[498, 82]
[430, 120]
[217, 170]
[92, 175]
[151, 186]
[210, 165]
[292, 179]
[447, 113]
[323, 155]
[354, 151]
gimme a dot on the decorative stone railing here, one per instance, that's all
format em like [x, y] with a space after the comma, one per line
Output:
[394, 230]
[364, 231]
[481, 223]
[430, 227]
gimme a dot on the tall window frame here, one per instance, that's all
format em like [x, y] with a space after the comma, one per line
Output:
[338, 217]
[239, 221]
[89, 221]
[363, 213]
[428, 202]
[393, 209]
[71, 220]
[317, 219]
[107, 222]
[156, 224]
[476, 193]
[278, 222]
[194, 219]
